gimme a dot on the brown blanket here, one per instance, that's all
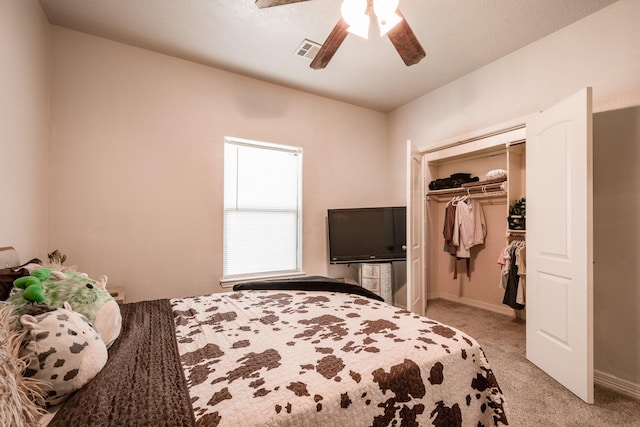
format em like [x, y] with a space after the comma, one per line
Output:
[142, 383]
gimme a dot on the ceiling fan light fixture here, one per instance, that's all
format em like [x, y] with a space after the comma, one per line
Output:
[386, 23]
[354, 13]
[386, 12]
[385, 7]
[353, 10]
[360, 28]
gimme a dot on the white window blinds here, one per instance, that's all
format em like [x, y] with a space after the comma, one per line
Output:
[262, 209]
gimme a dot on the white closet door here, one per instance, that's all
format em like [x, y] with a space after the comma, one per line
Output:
[559, 292]
[416, 288]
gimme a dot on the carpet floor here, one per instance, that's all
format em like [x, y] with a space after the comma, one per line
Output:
[532, 397]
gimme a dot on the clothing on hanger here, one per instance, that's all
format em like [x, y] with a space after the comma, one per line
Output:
[521, 262]
[470, 227]
[449, 223]
[464, 227]
[511, 259]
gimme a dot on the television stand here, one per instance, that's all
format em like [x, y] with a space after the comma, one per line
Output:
[377, 278]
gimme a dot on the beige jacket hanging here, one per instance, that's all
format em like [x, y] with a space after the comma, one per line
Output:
[470, 227]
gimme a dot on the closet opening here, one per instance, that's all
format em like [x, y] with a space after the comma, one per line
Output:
[471, 226]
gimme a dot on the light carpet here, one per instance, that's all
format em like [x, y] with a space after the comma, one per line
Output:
[532, 397]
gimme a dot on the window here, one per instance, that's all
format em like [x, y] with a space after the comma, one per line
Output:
[262, 209]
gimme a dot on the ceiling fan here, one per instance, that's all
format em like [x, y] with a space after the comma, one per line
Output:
[401, 35]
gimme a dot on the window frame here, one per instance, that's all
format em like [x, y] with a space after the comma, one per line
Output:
[295, 150]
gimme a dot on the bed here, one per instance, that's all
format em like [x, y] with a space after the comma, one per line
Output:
[266, 356]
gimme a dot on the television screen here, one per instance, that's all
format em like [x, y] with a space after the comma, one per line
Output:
[367, 234]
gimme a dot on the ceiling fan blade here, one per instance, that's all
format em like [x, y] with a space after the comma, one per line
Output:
[406, 43]
[270, 3]
[330, 45]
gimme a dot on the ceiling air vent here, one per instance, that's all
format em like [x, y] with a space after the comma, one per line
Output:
[308, 49]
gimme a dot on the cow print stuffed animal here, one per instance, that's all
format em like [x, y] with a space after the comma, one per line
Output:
[64, 350]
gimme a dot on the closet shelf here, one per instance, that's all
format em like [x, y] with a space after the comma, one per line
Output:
[494, 190]
[516, 233]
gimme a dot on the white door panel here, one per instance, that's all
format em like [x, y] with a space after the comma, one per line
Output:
[560, 243]
[416, 301]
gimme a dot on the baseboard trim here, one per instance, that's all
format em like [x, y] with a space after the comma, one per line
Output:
[473, 303]
[616, 384]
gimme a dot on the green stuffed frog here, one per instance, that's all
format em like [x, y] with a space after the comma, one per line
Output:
[32, 284]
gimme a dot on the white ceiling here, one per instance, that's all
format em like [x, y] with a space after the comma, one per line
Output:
[459, 36]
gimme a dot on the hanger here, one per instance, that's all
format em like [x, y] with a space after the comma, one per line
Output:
[465, 197]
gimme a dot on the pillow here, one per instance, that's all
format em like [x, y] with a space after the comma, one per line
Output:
[22, 399]
[309, 283]
[8, 275]
[64, 350]
[85, 295]
[496, 173]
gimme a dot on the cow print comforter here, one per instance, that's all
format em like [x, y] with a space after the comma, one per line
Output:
[295, 358]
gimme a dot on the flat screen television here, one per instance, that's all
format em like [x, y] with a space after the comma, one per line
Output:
[367, 234]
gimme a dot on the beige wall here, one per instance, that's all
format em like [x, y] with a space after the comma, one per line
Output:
[616, 187]
[137, 155]
[599, 51]
[24, 122]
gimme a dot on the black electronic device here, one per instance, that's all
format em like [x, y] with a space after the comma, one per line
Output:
[367, 234]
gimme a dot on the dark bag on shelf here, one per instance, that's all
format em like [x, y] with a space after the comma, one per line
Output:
[454, 181]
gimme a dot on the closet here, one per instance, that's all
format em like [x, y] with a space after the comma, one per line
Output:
[478, 282]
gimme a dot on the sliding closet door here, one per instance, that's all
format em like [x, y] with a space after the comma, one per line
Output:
[559, 291]
[416, 287]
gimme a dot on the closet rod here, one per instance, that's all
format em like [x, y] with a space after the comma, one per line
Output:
[497, 189]
[514, 143]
